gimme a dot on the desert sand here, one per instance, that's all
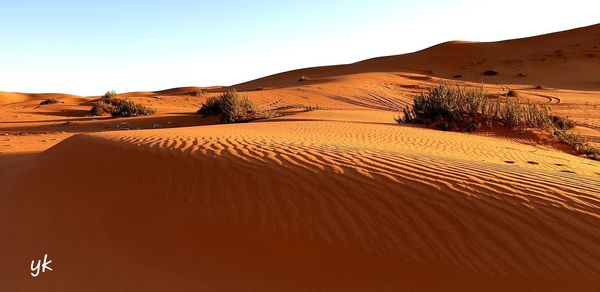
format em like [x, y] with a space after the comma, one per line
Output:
[341, 198]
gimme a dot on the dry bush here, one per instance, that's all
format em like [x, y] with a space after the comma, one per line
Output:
[101, 108]
[125, 107]
[464, 109]
[232, 108]
[49, 101]
[111, 94]
[109, 103]
[579, 143]
[459, 106]
[562, 123]
[199, 92]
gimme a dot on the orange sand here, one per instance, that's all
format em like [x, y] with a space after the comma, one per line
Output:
[341, 198]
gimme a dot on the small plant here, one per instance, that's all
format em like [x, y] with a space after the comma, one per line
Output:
[465, 109]
[111, 94]
[197, 93]
[49, 101]
[462, 107]
[109, 103]
[512, 93]
[444, 103]
[125, 107]
[562, 123]
[101, 108]
[579, 143]
[232, 108]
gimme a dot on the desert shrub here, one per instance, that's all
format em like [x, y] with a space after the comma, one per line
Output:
[462, 106]
[109, 103]
[562, 123]
[233, 108]
[125, 107]
[512, 93]
[444, 103]
[101, 108]
[211, 106]
[49, 101]
[111, 94]
[579, 143]
[198, 92]
[448, 108]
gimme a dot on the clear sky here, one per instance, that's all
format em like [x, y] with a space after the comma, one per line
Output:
[88, 47]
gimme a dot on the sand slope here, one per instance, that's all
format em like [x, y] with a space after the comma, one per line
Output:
[302, 205]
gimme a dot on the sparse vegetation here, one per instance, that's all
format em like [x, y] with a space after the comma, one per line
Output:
[456, 108]
[233, 108]
[101, 108]
[199, 92]
[512, 93]
[109, 103]
[579, 143]
[125, 107]
[111, 94]
[562, 123]
[49, 101]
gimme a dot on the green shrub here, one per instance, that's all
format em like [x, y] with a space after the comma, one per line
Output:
[49, 101]
[232, 108]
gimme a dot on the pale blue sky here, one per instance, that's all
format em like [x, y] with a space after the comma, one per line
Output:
[88, 47]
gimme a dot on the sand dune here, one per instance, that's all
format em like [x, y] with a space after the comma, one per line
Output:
[541, 60]
[341, 198]
[304, 205]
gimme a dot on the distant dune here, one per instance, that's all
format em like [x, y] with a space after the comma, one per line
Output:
[535, 60]
[341, 198]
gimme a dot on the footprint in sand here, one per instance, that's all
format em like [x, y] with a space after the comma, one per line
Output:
[559, 164]
[533, 162]
[509, 162]
[567, 171]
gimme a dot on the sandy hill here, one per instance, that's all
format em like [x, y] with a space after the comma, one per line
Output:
[341, 198]
[535, 60]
